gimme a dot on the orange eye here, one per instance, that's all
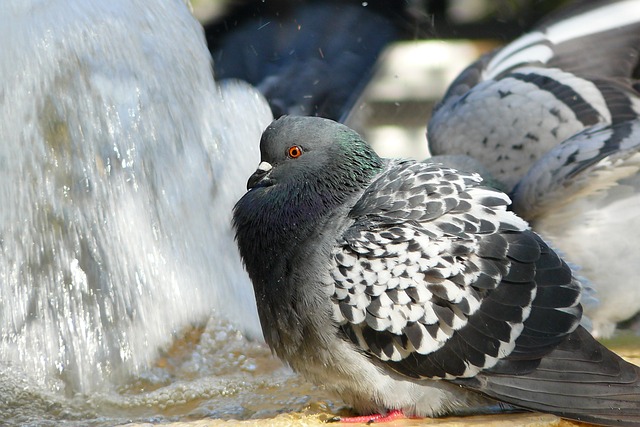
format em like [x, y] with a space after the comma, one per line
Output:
[295, 151]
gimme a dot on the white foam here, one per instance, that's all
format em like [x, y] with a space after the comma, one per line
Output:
[121, 161]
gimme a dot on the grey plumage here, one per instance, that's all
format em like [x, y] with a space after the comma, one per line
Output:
[572, 72]
[584, 195]
[407, 285]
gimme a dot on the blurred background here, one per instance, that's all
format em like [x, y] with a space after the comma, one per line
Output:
[434, 40]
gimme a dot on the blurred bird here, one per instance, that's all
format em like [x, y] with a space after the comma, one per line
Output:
[574, 71]
[554, 117]
[409, 287]
[308, 57]
[584, 195]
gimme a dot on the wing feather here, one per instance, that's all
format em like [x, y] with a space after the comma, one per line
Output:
[579, 379]
[443, 298]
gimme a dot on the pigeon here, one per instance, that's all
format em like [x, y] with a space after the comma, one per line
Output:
[301, 64]
[409, 288]
[578, 69]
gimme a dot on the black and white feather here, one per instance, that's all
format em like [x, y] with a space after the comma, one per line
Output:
[408, 285]
[415, 266]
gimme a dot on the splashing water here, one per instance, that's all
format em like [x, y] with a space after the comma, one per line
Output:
[120, 160]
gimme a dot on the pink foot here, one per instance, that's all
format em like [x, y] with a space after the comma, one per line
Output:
[395, 414]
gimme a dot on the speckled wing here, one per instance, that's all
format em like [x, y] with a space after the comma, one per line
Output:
[576, 71]
[436, 279]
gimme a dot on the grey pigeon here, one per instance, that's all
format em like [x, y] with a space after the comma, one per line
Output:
[574, 71]
[408, 286]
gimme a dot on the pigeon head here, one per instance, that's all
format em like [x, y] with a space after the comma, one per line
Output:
[300, 151]
[310, 169]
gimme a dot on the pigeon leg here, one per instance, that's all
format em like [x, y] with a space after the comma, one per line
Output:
[395, 414]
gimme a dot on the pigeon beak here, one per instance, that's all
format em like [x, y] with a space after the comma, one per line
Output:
[259, 177]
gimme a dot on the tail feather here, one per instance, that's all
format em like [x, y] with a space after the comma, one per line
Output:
[581, 380]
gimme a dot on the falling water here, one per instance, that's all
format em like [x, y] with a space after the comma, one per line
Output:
[120, 161]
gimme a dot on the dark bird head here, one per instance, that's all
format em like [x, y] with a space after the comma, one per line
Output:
[300, 151]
